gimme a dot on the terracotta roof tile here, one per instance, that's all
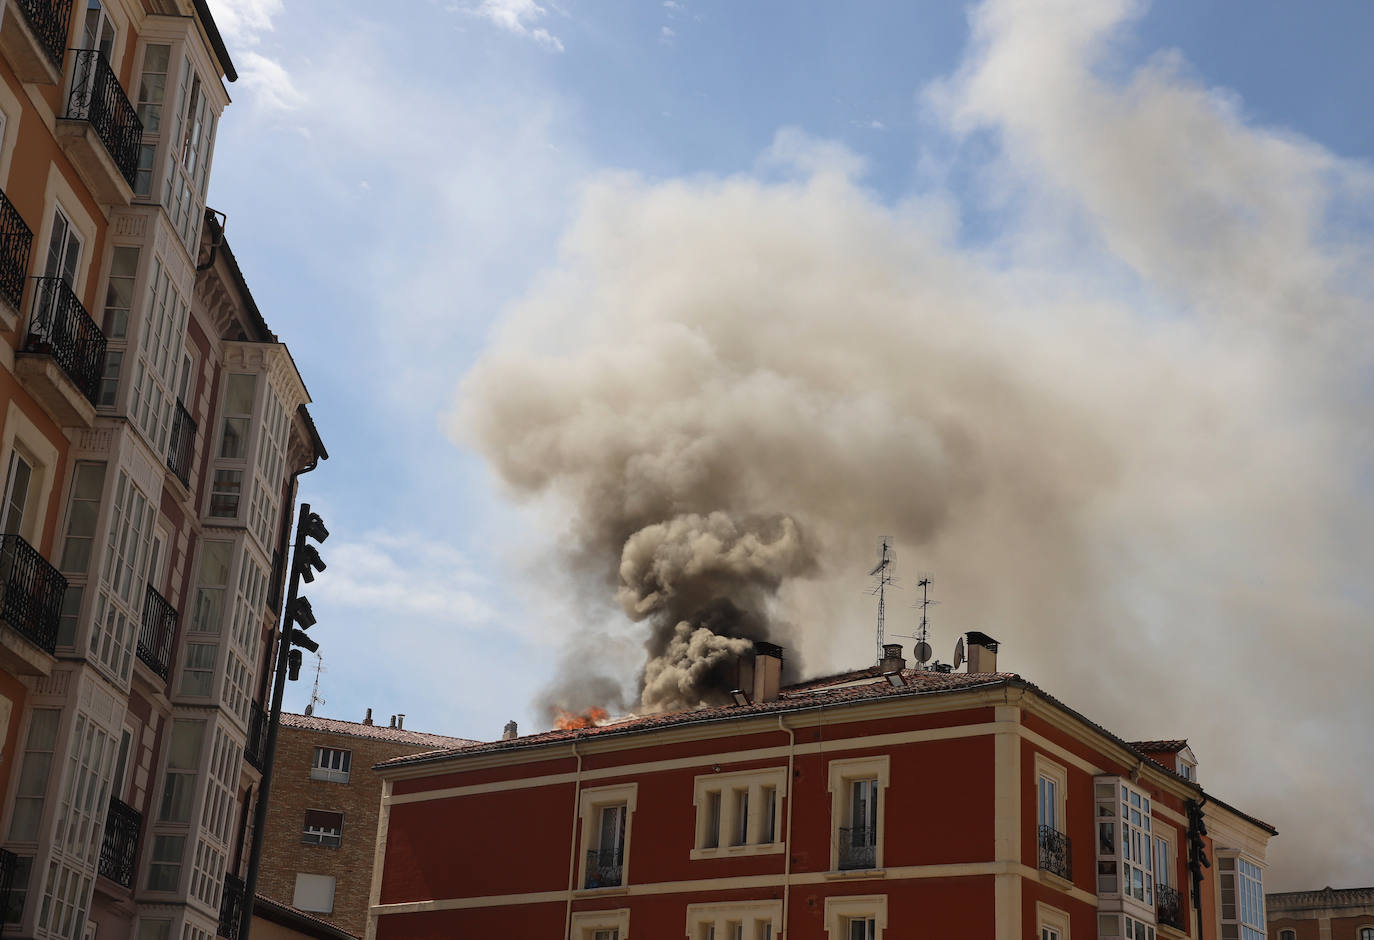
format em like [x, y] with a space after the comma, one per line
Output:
[357, 729]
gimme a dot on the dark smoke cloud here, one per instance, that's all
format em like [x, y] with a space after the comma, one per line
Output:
[1128, 434]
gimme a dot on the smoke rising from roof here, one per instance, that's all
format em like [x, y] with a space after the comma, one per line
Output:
[1128, 432]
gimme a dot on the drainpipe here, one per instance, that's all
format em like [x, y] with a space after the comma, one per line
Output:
[787, 846]
[572, 849]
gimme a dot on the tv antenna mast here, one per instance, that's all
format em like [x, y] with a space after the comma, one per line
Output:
[922, 652]
[883, 579]
[315, 697]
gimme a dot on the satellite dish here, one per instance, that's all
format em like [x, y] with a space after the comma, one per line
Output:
[922, 652]
[959, 653]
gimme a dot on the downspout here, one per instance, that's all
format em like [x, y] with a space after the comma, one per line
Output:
[787, 838]
[572, 844]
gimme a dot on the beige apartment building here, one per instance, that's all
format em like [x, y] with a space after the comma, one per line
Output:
[322, 818]
[151, 430]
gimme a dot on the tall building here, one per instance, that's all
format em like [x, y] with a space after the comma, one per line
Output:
[1326, 914]
[153, 427]
[321, 832]
[882, 803]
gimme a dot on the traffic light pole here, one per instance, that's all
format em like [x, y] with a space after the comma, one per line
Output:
[250, 886]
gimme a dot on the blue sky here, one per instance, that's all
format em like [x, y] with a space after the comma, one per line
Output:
[398, 179]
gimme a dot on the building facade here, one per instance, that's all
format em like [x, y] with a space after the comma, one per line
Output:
[321, 830]
[1328, 914]
[882, 803]
[152, 430]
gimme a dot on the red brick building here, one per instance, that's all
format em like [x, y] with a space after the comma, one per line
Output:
[881, 803]
[321, 829]
[1328, 914]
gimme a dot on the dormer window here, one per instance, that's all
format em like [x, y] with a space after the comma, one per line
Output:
[1187, 765]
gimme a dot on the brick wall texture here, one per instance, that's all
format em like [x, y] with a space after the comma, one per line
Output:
[293, 792]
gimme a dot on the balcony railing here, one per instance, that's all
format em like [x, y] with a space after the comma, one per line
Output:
[16, 238]
[231, 907]
[97, 97]
[49, 20]
[119, 851]
[256, 751]
[33, 592]
[157, 632]
[8, 862]
[604, 869]
[63, 329]
[858, 848]
[1056, 852]
[1169, 906]
[182, 446]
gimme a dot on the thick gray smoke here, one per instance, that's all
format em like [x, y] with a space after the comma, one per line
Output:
[1128, 433]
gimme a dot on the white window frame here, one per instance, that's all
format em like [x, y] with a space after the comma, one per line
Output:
[22, 435]
[750, 916]
[756, 784]
[841, 774]
[331, 774]
[585, 924]
[839, 911]
[1048, 918]
[1057, 774]
[592, 801]
[315, 835]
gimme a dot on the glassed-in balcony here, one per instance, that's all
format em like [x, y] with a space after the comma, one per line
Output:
[63, 354]
[16, 240]
[33, 34]
[101, 132]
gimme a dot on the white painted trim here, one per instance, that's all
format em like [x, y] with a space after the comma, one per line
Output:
[720, 914]
[23, 434]
[841, 774]
[586, 923]
[840, 909]
[1052, 918]
[592, 800]
[753, 782]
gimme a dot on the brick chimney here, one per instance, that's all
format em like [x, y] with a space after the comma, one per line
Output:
[510, 732]
[401, 720]
[982, 652]
[893, 660]
[368, 719]
[767, 671]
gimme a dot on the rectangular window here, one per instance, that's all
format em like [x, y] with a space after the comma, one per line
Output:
[859, 838]
[119, 291]
[322, 828]
[1242, 898]
[19, 889]
[211, 581]
[737, 813]
[83, 510]
[225, 493]
[164, 866]
[109, 379]
[33, 775]
[862, 928]
[741, 827]
[1048, 802]
[16, 493]
[314, 893]
[1125, 841]
[331, 764]
[198, 671]
[183, 761]
[712, 839]
[605, 867]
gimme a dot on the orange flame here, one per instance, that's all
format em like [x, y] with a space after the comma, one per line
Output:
[590, 718]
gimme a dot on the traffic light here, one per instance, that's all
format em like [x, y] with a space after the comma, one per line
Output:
[309, 558]
[293, 665]
[299, 615]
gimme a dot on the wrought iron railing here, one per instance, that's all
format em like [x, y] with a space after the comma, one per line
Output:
[231, 907]
[1169, 906]
[33, 592]
[1056, 852]
[119, 851]
[16, 238]
[61, 327]
[49, 20]
[8, 862]
[256, 751]
[858, 848]
[605, 869]
[157, 632]
[97, 97]
[182, 446]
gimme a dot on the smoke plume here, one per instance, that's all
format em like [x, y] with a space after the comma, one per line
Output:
[1115, 397]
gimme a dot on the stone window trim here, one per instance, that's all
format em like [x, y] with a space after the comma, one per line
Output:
[1049, 918]
[840, 910]
[721, 914]
[22, 435]
[1059, 774]
[756, 783]
[590, 803]
[841, 773]
[585, 924]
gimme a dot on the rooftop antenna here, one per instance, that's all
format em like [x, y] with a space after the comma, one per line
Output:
[315, 697]
[922, 652]
[882, 575]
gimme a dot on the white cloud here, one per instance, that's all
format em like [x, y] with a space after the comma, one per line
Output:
[406, 574]
[518, 16]
[666, 35]
[244, 21]
[269, 82]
